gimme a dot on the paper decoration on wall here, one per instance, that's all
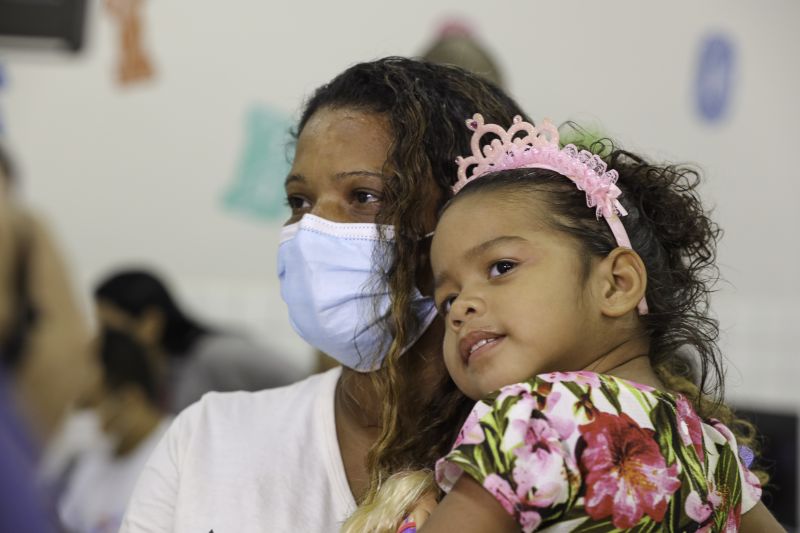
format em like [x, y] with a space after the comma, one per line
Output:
[263, 166]
[133, 63]
[456, 43]
[714, 81]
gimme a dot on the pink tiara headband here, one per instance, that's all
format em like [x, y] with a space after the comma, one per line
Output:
[524, 145]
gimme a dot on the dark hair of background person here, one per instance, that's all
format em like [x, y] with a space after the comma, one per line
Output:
[136, 292]
[677, 241]
[426, 106]
[125, 362]
[7, 168]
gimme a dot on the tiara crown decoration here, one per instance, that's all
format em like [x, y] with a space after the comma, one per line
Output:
[524, 145]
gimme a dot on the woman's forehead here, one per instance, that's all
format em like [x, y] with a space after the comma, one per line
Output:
[342, 140]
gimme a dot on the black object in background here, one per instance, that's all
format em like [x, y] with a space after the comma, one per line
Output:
[36, 22]
[779, 457]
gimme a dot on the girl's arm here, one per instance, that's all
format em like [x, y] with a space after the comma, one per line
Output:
[760, 520]
[469, 508]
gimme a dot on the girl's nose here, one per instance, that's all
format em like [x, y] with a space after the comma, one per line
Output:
[465, 308]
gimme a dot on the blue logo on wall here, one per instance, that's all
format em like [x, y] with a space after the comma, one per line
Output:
[715, 72]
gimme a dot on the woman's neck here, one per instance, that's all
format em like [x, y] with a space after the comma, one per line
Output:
[358, 404]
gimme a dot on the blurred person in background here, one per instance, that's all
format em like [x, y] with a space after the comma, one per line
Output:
[127, 405]
[375, 157]
[43, 335]
[42, 368]
[22, 505]
[457, 44]
[194, 358]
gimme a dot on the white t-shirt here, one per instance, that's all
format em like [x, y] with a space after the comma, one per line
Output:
[248, 461]
[101, 485]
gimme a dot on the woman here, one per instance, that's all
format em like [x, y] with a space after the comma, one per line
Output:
[375, 145]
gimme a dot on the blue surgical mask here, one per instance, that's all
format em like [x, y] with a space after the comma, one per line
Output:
[328, 281]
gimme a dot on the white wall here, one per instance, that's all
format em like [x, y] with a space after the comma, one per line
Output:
[137, 173]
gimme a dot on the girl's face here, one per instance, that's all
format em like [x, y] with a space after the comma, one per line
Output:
[337, 173]
[512, 295]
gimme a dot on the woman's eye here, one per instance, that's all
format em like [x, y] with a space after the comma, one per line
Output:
[501, 267]
[366, 197]
[297, 202]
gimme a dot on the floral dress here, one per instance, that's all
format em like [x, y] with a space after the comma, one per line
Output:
[581, 451]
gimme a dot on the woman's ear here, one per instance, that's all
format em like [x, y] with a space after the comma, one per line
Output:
[623, 282]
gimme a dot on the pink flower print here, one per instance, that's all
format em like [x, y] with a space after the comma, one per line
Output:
[565, 427]
[723, 429]
[585, 407]
[517, 389]
[471, 432]
[732, 523]
[519, 416]
[714, 496]
[581, 377]
[529, 520]
[641, 386]
[502, 492]
[690, 427]
[626, 475]
[551, 402]
[447, 474]
[696, 509]
[539, 471]
[751, 485]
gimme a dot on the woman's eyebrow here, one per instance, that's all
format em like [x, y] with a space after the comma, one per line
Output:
[362, 173]
[292, 178]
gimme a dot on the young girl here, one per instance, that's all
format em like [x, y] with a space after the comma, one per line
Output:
[569, 329]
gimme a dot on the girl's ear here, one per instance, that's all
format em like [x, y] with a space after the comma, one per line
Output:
[623, 282]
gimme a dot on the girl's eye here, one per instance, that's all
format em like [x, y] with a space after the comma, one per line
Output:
[297, 202]
[366, 197]
[501, 267]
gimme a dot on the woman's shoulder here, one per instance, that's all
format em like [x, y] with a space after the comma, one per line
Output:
[276, 405]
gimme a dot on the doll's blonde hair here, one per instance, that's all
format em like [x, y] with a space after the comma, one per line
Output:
[395, 499]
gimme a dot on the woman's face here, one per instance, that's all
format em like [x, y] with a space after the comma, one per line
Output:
[338, 169]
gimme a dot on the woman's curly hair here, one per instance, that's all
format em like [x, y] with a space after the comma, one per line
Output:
[425, 105]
